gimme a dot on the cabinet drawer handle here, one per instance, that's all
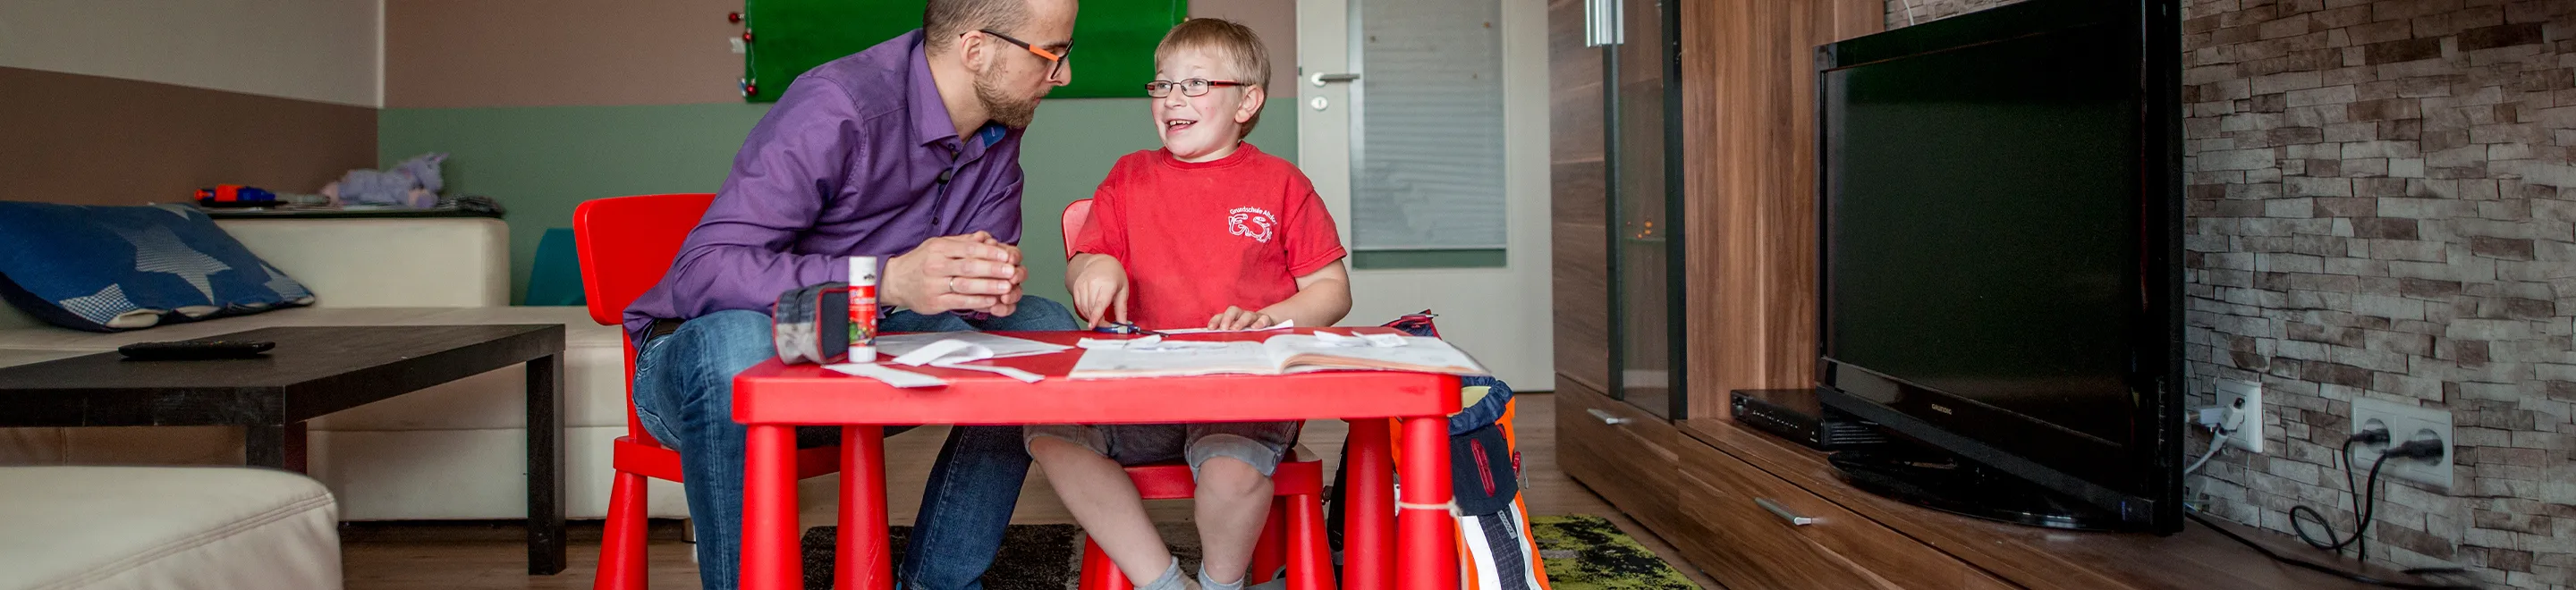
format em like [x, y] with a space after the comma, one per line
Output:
[1783, 513]
[1605, 417]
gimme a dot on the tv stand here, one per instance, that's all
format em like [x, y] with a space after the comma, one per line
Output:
[1946, 482]
[1758, 511]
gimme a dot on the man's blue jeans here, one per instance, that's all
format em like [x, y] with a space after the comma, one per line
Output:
[684, 397]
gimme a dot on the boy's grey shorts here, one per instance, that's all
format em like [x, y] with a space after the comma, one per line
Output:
[1261, 444]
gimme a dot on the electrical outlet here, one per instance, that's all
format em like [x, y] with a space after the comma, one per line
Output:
[2405, 422]
[2249, 433]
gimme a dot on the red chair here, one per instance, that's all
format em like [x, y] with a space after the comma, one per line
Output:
[1295, 533]
[626, 245]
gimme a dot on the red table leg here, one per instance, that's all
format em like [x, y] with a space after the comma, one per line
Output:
[769, 509]
[1425, 527]
[1368, 525]
[865, 562]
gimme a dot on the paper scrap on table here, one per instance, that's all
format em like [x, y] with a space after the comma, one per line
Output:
[953, 353]
[1282, 326]
[1023, 376]
[1001, 346]
[1377, 340]
[889, 375]
[949, 350]
[1147, 343]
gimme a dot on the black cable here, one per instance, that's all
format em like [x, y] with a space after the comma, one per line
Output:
[2356, 577]
[2351, 486]
[2361, 532]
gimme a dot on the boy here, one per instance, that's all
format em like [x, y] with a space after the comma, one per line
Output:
[1206, 232]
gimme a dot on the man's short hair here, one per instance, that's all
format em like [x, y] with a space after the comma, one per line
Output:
[1231, 43]
[943, 20]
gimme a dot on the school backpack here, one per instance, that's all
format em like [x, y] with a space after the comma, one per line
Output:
[1495, 549]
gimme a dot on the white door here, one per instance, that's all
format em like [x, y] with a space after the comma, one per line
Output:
[1456, 185]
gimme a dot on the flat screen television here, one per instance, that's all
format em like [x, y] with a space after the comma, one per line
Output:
[2000, 227]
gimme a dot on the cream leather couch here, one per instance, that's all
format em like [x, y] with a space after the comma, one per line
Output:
[103, 528]
[456, 451]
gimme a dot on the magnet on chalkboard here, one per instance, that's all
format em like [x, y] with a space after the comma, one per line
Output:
[746, 36]
[733, 17]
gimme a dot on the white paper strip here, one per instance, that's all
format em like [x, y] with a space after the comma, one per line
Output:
[889, 375]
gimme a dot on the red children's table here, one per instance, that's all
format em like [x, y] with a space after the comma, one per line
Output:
[774, 398]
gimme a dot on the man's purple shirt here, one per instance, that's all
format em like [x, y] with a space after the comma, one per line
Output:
[848, 163]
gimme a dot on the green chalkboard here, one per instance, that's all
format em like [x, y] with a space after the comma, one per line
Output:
[1113, 40]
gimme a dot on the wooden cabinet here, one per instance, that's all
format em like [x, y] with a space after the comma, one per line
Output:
[1862, 540]
[1622, 452]
[1760, 531]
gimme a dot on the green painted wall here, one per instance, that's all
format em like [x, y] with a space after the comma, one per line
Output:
[540, 162]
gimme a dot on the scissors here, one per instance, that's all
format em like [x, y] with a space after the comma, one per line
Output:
[1125, 328]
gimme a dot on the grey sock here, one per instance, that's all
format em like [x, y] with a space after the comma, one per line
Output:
[1170, 580]
[1208, 583]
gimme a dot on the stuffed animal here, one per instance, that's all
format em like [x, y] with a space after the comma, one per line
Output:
[413, 184]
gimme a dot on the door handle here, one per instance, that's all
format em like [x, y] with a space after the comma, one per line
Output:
[1320, 78]
[1606, 417]
[1784, 513]
[1602, 23]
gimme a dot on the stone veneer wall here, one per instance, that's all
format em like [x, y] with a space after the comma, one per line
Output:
[2382, 204]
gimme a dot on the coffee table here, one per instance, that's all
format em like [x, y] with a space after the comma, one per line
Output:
[312, 372]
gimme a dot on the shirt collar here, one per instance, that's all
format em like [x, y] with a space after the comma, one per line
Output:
[930, 122]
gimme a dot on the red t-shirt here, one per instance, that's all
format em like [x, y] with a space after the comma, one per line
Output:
[1197, 237]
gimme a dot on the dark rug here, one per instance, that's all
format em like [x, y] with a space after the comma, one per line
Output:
[1582, 552]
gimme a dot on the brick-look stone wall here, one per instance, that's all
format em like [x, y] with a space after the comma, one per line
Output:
[2382, 204]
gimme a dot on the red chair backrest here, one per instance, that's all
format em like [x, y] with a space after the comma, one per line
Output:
[1075, 214]
[628, 243]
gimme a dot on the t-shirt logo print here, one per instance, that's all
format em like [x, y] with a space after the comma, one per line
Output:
[1251, 222]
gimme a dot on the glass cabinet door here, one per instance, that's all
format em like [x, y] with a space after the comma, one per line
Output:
[1644, 149]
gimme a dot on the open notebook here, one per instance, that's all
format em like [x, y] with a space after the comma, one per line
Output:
[1277, 355]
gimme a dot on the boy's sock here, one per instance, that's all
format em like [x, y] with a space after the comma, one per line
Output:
[1208, 583]
[1172, 579]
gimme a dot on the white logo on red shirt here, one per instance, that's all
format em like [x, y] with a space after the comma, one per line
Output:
[1251, 222]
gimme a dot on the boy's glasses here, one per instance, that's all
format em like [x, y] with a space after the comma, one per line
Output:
[1190, 87]
[1055, 59]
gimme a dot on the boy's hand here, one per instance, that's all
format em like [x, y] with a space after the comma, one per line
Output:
[1236, 318]
[1100, 291]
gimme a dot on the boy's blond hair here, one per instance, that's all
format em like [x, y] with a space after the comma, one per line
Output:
[1230, 43]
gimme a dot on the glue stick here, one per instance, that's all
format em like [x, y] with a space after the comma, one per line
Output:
[863, 309]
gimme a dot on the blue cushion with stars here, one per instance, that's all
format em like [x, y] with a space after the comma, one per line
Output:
[107, 269]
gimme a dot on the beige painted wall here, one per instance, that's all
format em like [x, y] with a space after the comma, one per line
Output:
[513, 53]
[316, 50]
[95, 140]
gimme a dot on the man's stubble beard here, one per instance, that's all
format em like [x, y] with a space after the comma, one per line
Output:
[1001, 106]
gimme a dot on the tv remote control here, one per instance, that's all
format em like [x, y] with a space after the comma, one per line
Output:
[183, 350]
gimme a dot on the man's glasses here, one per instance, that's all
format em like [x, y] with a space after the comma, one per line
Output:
[1055, 59]
[1190, 87]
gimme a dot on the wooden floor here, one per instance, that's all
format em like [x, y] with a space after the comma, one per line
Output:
[405, 556]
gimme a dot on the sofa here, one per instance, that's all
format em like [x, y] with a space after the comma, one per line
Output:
[451, 452]
[102, 528]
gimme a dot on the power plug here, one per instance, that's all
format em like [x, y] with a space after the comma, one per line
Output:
[2422, 448]
[2243, 403]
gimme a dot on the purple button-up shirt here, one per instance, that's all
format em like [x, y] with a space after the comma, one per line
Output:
[858, 158]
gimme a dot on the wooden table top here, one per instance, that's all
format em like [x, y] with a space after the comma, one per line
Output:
[312, 371]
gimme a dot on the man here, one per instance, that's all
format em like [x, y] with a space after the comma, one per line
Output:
[908, 151]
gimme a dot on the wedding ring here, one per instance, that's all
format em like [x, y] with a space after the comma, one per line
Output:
[952, 285]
